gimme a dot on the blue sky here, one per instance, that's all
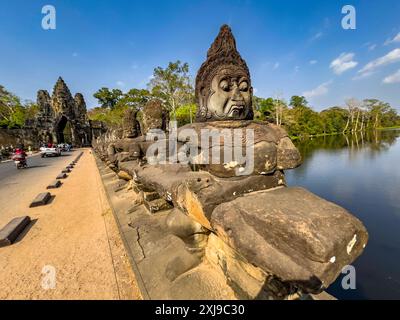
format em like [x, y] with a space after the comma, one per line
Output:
[291, 47]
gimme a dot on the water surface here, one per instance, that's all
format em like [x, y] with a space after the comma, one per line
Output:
[360, 172]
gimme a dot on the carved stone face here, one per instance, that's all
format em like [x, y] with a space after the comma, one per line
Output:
[231, 94]
[130, 124]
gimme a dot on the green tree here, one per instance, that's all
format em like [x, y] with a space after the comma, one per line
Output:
[334, 119]
[377, 109]
[134, 98]
[185, 114]
[172, 85]
[298, 101]
[12, 112]
[265, 108]
[302, 120]
[31, 109]
[108, 98]
[112, 117]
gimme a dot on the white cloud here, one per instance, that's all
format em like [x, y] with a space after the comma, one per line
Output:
[120, 84]
[276, 66]
[296, 69]
[313, 62]
[363, 75]
[393, 78]
[392, 57]
[343, 63]
[316, 36]
[395, 39]
[371, 47]
[318, 91]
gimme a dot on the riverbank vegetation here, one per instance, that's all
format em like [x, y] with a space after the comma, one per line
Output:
[174, 87]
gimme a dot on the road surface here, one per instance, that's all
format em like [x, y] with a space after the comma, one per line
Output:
[19, 187]
[72, 249]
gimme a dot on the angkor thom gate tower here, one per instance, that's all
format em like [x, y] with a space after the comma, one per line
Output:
[62, 118]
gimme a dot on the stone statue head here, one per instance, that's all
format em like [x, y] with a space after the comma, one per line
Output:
[154, 116]
[223, 84]
[130, 125]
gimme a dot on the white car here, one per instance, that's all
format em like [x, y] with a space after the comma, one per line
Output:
[50, 152]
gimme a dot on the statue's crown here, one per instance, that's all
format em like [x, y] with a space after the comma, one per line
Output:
[222, 53]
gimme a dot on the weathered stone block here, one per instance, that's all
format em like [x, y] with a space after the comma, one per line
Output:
[198, 196]
[12, 230]
[62, 176]
[150, 196]
[124, 175]
[65, 170]
[292, 234]
[41, 199]
[54, 185]
[157, 205]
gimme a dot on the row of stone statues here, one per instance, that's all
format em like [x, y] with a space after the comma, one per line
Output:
[269, 240]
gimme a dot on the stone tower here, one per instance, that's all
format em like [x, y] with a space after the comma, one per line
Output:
[59, 112]
[44, 103]
[80, 107]
[62, 100]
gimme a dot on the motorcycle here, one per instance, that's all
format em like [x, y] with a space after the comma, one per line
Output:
[20, 162]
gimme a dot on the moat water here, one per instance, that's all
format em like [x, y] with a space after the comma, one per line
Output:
[360, 172]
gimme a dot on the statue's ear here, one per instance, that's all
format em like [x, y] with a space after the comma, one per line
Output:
[203, 91]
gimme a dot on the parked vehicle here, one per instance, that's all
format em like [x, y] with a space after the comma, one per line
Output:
[50, 151]
[64, 147]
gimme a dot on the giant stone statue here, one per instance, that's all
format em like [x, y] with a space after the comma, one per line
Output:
[269, 240]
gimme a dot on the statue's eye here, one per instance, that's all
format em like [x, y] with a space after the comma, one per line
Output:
[243, 86]
[224, 85]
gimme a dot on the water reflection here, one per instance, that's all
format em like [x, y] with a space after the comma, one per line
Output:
[360, 172]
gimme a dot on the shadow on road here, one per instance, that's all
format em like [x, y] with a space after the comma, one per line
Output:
[50, 200]
[26, 230]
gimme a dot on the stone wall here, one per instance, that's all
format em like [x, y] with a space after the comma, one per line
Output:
[13, 137]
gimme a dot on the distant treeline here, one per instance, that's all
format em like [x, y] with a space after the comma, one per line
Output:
[300, 119]
[173, 86]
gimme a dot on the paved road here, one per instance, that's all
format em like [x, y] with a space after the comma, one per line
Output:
[75, 235]
[19, 187]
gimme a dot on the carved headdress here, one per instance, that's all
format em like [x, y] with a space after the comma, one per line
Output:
[222, 54]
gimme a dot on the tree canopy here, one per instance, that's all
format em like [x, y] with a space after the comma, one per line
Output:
[172, 85]
[108, 98]
[14, 113]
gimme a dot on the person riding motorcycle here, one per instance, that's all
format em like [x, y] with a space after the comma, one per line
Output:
[20, 156]
[20, 153]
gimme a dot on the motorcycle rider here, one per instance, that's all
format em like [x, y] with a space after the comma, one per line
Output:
[20, 155]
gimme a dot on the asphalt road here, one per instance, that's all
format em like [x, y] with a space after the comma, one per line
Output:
[19, 187]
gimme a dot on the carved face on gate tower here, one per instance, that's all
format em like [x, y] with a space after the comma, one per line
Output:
[223, 85]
